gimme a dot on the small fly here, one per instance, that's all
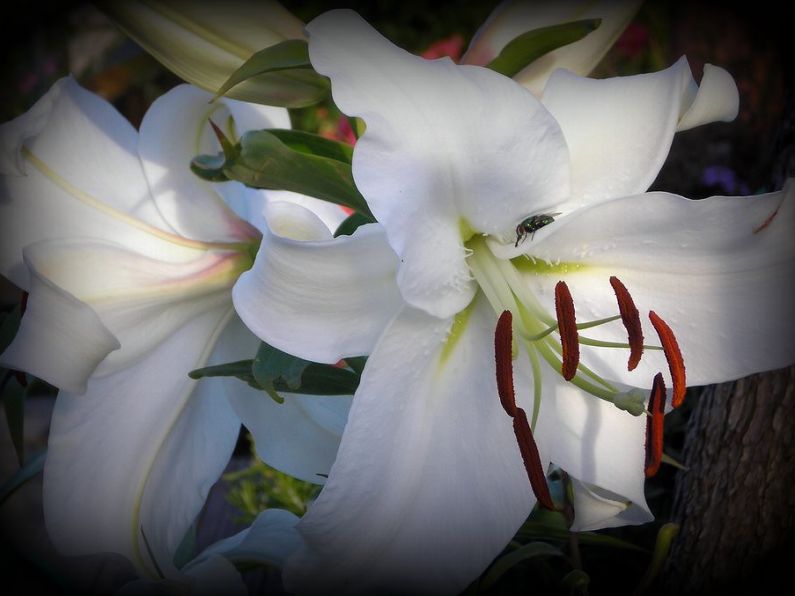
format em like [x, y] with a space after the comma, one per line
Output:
[533, 224]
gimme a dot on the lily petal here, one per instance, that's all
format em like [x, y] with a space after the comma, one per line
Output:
[214, 575]
[511, 19]
[305, 297]
[601, 446]
[270, 539]
[136, 454]
[82, 178]
[719, 271]
[60, 339]
[426, 176]
[619, 130]
[300, 436]
[174, 130]
[428, 485]
[139, 299]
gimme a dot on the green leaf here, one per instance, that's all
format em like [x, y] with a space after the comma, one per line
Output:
[504, 563]
[271, 364]
[33, 466]
[530, 46]
[312, 144]
[186, 550]
[229, 369]
[9, 326]
[324, 379]
[288, 60]
[277, 372]
[14, 406]
[263, 160]
[351, 224]
[357, 363]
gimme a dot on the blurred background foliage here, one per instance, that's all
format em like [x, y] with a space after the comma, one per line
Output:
[47, 40]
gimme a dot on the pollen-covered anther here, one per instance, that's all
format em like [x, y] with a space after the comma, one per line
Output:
[567, 327]
[531, 459]
[654, 426]
[503, 348]
[631, 319]
[673, 355]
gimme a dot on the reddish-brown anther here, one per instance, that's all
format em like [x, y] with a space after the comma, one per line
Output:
[531, 459]
[654, 426]
[673, 354]
[567, 327]
[503, 347]
[631, 319]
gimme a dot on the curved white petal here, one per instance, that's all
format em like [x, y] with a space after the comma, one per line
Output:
[717, 100]
[596, 508]
[270, 539]
[82, 178]
[447, 148]
[600, 445]
[175, 130]
[15, 133]
[511, 19]
[60, 338]
[320, 300]
[300, 436]
[719, 271]
[137, 453]
[619, 130]
[428, 485]
[141, 300]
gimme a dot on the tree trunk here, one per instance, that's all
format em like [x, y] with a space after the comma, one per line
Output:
[736, 503]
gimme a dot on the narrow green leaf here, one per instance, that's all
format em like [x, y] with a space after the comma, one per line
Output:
[323, 379]
[229, 369]
[186, 550]
[312, 144]
[266, 162]
[32, 467]
[14, 406]
[290, 57]
[9, 326]
[530, 46]
[504, 563]
[351, 224]
[271, 363]
[357, 363]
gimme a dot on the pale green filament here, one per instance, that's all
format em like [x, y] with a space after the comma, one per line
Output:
[505, 289]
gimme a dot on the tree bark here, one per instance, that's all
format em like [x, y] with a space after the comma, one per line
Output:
[736, 503]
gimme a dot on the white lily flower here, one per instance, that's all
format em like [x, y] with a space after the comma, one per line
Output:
[203, 43]
[513, 17]
[429, 485]
[130, 261]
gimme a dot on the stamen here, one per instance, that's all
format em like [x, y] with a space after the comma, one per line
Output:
[673, 354]
[503, 347]
[567, 324]
[531, 459]
[654, 426]
[631, 319]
